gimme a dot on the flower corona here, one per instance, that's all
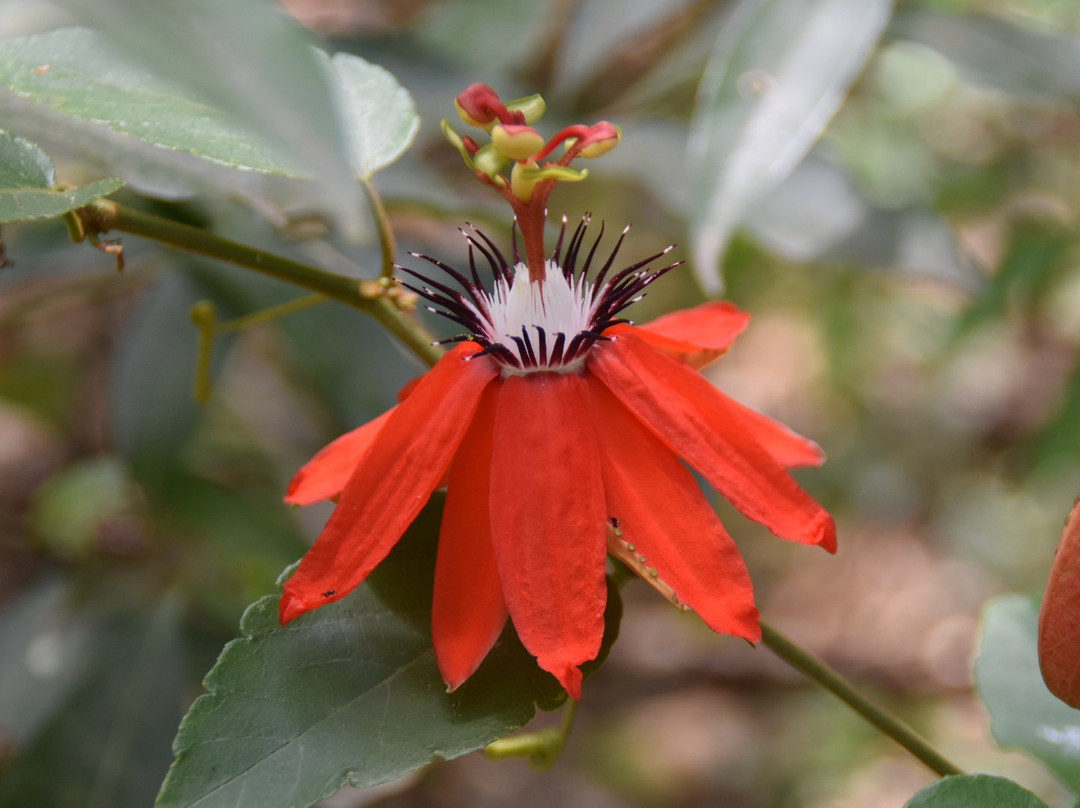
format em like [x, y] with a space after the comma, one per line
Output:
[562, 433]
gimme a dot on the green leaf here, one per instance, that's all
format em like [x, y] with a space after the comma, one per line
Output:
[348, 694]
[378, 113]
[1002, 54]
[779, 71]
[974, 791]
[30, 203]
[1023, 713]
[245, 57]
[79, 73]
[24, 165]
[27, 177]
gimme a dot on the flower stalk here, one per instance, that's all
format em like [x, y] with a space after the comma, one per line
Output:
[542, 748]
[888, 723]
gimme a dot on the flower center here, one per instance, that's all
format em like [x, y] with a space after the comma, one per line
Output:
[540, 319]
[530, 326]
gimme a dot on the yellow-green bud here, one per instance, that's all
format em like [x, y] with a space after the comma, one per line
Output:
[515, 141]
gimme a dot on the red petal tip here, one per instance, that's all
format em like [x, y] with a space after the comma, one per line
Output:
[569, 677]
[754, 634]
[827, 535]
[290, 608]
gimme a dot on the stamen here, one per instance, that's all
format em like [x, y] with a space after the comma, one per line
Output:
[566, 305]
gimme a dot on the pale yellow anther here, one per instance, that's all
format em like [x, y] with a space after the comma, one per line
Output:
[489, 160]
[597, 149]
[466, 117]
[517, 142]
[531, 106]
[523, 179]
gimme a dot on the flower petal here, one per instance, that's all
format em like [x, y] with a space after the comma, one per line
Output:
[691, 416]
[400, 470]
[468, 611]
[699, 335]
[664, 517]
[325, 475]
[787, 447]
[548, 523]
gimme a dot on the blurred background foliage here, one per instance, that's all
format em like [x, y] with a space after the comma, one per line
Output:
[914, 284]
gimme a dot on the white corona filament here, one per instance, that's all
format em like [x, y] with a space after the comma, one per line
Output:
[556, 306]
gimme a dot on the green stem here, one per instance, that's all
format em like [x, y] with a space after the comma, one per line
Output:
[264, 316]
[541, 748]
[103, 215]
[815, 669]
[382, 224]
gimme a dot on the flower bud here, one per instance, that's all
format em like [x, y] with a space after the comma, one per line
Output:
[516, 142]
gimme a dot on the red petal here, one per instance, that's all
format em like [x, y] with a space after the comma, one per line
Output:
[469, 611]
[1059, 619]
[700, 425]
[699, 335]
[325, 475]
[548, 520]
[664, 516]
[787, 447]
[386, 492]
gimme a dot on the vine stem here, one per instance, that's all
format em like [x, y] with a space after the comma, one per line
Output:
[376, 298]
[382, 224]
[815, 669]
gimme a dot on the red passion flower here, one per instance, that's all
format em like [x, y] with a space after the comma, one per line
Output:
[560, 431]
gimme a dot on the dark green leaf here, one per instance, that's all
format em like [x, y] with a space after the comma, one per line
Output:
[974, 791]
[992, 50]
[1023, 712]
[107, 744]
[780, 69]
[348, 694]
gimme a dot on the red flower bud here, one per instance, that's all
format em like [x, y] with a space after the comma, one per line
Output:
[480, 106]
[1059, 620]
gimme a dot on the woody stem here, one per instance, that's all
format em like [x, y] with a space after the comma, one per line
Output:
[103, 215]
[815, 669]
